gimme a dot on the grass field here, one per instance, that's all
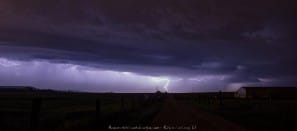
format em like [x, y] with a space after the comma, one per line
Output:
[75, 111]
[254, 114]
[79, 111]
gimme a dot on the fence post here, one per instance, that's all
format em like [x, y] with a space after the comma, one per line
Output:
[98, 109]
[220, 98]
[133, 103]
[122, 103]
[35, 113]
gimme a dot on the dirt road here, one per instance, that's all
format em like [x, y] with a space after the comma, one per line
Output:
[177, 115]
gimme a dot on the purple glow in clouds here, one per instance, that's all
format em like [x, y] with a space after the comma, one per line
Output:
[61, 76]
[45, 74]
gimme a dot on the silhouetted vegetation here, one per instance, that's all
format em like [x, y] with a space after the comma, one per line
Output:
[74, 111]
[262, 114]
[50, 110]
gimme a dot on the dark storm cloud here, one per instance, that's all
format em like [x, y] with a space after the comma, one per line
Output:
[249, 39]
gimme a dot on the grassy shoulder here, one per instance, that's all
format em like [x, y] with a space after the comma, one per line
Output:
[77, 111]
[254, 114]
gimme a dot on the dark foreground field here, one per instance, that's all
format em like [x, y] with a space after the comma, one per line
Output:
[56, 111]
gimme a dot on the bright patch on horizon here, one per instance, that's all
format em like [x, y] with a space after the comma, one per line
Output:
[161, 80]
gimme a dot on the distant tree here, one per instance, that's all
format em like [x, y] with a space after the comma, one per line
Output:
[158, 92]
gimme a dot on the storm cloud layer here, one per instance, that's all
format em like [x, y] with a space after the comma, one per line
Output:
[225, 43]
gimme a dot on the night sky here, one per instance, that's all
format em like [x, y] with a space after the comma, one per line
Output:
[148, 45]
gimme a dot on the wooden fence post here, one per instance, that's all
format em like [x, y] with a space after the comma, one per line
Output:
[122, 103]
[98, 109]
[133, 103]
[35, 113]
[220, 98]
